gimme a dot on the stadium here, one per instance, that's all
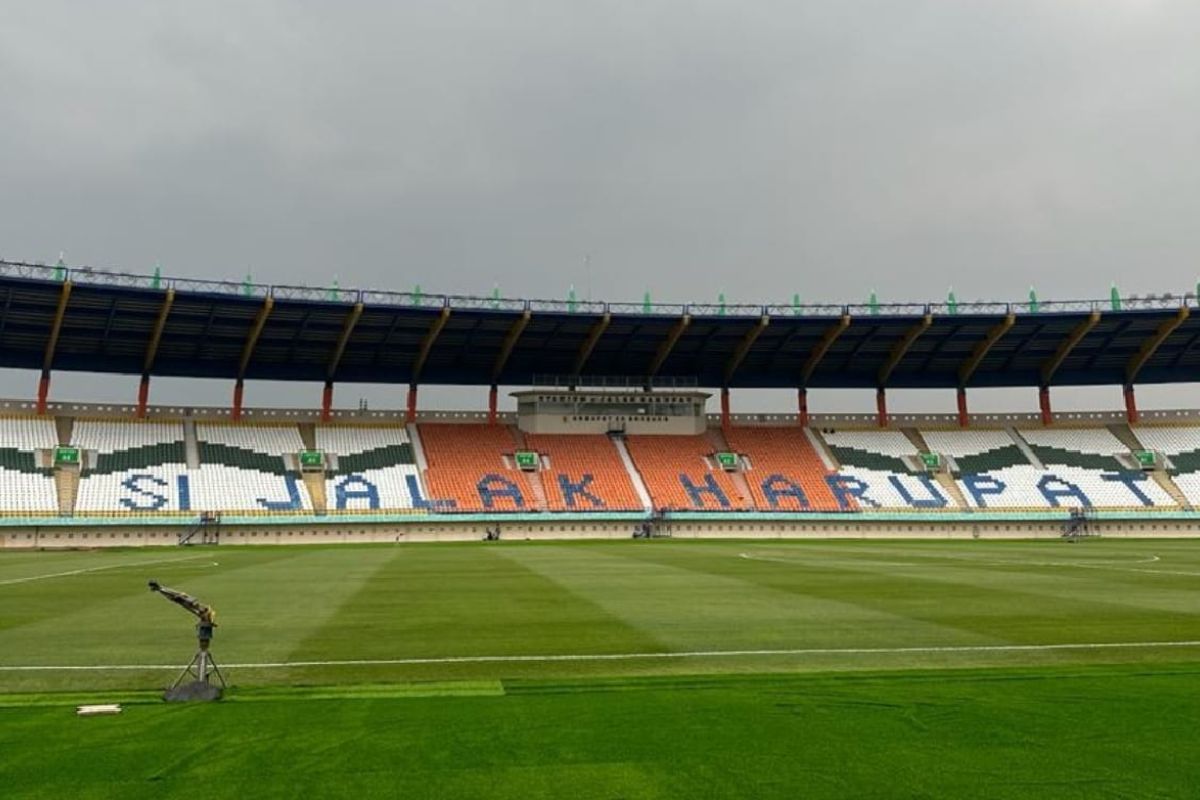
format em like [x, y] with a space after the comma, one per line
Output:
[1023, 569]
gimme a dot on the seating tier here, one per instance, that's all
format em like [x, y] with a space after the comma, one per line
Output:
[782, 460]
[679, 475]
[467, 468]
[878, 450]
[976, 451]
[584, 473]
[1086, 448]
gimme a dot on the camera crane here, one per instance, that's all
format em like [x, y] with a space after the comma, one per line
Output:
[202, 664]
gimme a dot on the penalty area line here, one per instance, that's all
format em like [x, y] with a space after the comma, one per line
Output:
[516, 659]
[11, 581]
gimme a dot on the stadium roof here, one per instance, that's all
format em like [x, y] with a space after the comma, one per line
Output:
[100, 321]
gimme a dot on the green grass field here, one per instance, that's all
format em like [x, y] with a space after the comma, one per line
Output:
[612, 670]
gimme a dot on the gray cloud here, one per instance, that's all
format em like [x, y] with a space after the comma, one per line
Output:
[688, 147]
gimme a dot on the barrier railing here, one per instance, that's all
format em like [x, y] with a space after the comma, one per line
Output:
[416, 299]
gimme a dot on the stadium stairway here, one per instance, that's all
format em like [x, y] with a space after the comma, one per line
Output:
[738, 479]
[944, 479]
[315, 481]
[1163, 479]
[780, 454]
[635, 477]
[64, 427]
[536, 487]
[1026, 450]
[308, 435]
[679, 473]
[1129, 438]
[66, 480]
[583, 472]
[191, 446]
[1125, 436]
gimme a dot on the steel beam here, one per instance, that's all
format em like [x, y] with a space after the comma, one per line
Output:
[589, 344]
[967, 370]
[431, 336]
[256, 329]
[60, 312]
[1066, 346]
[822, 347]
[744, 346]
[664, 349]
[347, 329]
[510, 341]
[901, 348]
[1151, 345]
[160, 324]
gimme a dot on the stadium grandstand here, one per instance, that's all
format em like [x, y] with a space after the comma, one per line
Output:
[613, 431]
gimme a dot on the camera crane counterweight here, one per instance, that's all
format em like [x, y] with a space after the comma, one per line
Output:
[202, 664]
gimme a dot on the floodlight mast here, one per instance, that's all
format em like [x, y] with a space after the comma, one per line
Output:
[202, 663]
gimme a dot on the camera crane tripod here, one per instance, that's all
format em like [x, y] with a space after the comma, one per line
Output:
[202, 664]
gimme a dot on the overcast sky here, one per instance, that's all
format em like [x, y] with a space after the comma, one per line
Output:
[685, 148]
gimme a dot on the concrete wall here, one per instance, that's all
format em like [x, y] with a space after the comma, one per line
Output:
[65, 536]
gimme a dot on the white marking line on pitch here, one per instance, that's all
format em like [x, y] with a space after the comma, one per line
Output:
[99, 569]
[989, 562]
[808, 651]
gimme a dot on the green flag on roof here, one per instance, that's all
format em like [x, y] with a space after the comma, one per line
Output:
[571, 304]
[156, 281]
[416, 295]
[721, 304]
[60, 269]
[247, 286]
[1034, 306]
[873, 304]
[1115, 296]
[952, 302]
[796, 304]
[646, 302]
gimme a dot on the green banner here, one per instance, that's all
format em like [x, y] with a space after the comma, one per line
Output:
[727, 460]
[312, 458]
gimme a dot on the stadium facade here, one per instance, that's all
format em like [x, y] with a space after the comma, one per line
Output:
[613, 434]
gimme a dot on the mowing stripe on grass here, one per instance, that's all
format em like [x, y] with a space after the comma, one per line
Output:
[806, 651]
[68, 573]
[992, 563]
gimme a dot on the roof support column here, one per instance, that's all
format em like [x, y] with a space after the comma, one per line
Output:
[238, 389]
[143, 397]
[492, 395]
[256, 328]
[802, 403]
[1131, 412]
[327, 402]
[666, 347]
[435, 330]
[43, 391]
[725, 408]
[963, 414]
[51, 345]
[410, 415]
[339, 349]
[1044, 405]
[152, 351]
[881, 413]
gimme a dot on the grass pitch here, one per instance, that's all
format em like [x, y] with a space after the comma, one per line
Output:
[631, 669]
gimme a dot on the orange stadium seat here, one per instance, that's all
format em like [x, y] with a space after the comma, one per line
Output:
[466, 465]
[584, 468]
[781, 459]
[678, 475]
